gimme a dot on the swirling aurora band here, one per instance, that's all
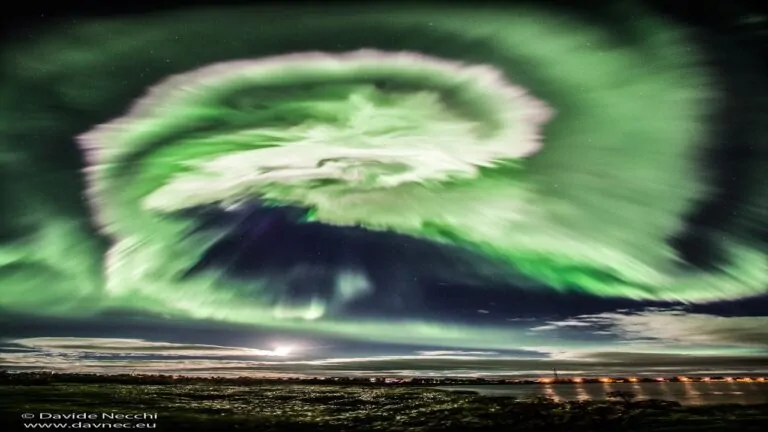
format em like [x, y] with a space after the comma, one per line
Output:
[565, 151]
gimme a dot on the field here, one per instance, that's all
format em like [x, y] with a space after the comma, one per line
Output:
[289, 407]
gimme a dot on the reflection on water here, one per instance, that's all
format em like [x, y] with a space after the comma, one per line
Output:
[664, 392]
[581, 394]
[687, 393]
[639, 391]
[549, 391]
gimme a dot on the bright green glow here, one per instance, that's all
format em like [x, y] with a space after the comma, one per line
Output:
[590, 211]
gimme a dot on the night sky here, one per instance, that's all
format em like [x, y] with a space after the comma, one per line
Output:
[423, 190]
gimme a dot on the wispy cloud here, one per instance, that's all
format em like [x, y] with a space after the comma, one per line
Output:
[554, 325]
[456, 353]
[674, 326]
[613, 363]
[681, 328]
[135, 346]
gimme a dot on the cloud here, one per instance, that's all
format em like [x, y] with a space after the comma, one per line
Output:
[609, 363]
[674, 326]
[544, 328]
[116, 346]
[456, 353]
[554, 325]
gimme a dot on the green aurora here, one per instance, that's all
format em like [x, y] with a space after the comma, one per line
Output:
[566, 151]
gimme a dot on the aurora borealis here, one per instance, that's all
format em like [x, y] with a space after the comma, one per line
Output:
[424, 178]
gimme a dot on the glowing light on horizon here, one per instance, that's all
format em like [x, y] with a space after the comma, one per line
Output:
[283, 351]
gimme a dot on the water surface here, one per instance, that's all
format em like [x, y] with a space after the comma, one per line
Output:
[685, 393]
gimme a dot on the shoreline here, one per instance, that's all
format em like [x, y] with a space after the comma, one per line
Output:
[685, 394]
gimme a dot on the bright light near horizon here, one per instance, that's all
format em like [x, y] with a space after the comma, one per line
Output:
[282, 351]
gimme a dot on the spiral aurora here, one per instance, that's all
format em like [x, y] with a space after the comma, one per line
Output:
[542, 146]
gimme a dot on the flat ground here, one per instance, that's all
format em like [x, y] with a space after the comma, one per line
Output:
[340, 408]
